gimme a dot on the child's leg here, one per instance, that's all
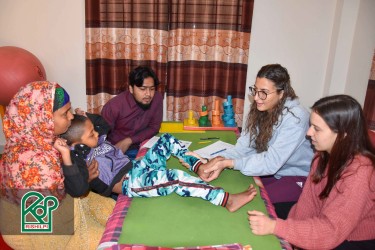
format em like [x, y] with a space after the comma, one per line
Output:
[166, 181]
[157, 156]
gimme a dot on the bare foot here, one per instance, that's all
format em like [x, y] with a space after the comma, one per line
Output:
[236, 201]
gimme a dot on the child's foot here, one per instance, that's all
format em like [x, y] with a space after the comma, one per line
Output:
[236, 201]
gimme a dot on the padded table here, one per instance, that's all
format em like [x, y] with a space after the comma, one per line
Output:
[186, 222]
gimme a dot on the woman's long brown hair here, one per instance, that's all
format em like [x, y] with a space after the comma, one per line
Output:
[263, 119]
[344, 116]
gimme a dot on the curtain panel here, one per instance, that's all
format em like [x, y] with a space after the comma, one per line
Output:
[369, 105]
[121, 35]
[207, 55]
[199, 50]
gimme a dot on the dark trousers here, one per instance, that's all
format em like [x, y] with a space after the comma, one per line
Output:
[282, 209]
[283, 192]
[357, 245]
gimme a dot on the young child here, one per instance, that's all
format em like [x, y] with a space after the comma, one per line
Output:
[147, 177]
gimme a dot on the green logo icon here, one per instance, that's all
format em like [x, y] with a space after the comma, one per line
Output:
[37, 216]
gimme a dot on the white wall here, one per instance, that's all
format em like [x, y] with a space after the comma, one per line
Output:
[54, 31]
[297, 35]
[326, 45]
[363, 46]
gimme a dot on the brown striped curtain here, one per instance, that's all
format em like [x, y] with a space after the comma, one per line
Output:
[120, 35]
[369, 106]
[198, 48]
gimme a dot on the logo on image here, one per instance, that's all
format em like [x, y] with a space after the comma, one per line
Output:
[36, 212]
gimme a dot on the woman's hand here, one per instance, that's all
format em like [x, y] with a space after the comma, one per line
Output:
[213, 168]
[63, 148]
[93, 170]
[124, 144]
[260, 224]
[79, 111]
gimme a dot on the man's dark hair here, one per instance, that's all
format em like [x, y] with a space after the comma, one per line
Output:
[137, 76]
[76, 129]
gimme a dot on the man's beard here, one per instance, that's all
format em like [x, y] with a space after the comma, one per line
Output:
[143, 106]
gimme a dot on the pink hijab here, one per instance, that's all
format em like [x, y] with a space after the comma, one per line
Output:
[30, 162]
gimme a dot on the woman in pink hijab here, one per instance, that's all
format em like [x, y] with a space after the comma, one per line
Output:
[33, 120]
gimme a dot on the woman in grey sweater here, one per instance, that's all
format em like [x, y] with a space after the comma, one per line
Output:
[273, 144]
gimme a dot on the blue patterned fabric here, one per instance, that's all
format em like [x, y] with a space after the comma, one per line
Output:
[149, 176]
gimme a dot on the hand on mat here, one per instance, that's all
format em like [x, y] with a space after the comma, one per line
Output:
[93, 170]
[205, 172]
[260, 224]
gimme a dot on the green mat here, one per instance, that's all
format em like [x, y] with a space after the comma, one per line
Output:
[174, 221]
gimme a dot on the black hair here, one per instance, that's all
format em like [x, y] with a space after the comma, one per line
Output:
[279, 76]
[76, 129]
[137, 76]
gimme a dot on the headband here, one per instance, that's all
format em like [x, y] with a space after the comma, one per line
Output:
[61, 98]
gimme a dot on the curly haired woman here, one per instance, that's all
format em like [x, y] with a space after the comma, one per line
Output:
[273, 144]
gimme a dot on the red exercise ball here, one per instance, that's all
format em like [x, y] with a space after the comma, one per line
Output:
[18, 67]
